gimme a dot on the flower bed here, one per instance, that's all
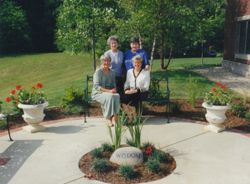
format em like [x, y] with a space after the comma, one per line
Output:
[142, 173]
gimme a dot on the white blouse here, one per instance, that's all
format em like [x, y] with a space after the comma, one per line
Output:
[140, 82]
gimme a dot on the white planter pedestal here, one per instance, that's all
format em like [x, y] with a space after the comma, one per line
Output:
[33, 115]
[215, 116]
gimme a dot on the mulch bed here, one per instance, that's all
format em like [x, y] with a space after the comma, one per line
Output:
[184, 110]
[112, 175]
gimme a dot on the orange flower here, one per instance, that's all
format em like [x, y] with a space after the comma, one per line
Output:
[18, 87]
[39, 85]
[214, 89]
[13, 92]
[7, 99]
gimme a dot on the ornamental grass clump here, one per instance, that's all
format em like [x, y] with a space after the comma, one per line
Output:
[100, 165]
[218, 95]
[32, 96]
[127, 171]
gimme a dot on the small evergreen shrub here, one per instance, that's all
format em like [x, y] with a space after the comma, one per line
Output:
[73, 100]
[162, 157]
[247, 116]
[239, 110]
[96, 153]
[127, 171]
[107, 147]
[100, 165]
[153, 165]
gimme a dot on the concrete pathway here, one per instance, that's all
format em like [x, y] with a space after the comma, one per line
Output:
[51, 157]
[235, 82]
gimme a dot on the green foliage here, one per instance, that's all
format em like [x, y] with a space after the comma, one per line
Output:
[175, 108]
[239, 110]
[119, 131]
[96, 153]
[107, 147]
[100, 165]
[14, 32]
[135, 129]
[218, 95]
[127, 171]
[130, 142]
[77, 19]
[161, 156]
[73, 100]
[247, 116]
[147, 144]
[192, 90]
[153, 165]
[1, 106]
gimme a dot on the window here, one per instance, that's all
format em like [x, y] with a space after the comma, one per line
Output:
[243, 37]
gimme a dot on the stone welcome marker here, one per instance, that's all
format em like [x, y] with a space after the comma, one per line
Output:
[127, 156]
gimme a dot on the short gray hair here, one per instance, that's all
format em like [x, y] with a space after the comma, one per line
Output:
[104, 57]
[137, 58]
[112, 38]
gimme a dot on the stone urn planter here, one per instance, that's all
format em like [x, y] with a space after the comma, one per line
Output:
[216, 115]
[33, 115]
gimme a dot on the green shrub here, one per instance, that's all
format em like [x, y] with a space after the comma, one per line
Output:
[153, 165]
[247, 116]
[107, 147]
[192, 90]
[239, 110]
[15, 30]
[175, 108]
[162, 157]
[96, 153]
[127, 171]
[73, 100]
[100, 165]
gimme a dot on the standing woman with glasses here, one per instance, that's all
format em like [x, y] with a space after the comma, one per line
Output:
[104, 91]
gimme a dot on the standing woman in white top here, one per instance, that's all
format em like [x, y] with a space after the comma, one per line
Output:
[137, 83]
[116, 57]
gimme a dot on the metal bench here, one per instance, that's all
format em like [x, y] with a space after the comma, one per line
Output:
[5, 117]
[159, 93]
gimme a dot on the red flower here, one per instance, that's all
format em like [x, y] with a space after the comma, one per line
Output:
[218, 84]
[13, 92]
[18, 87]
[39, 85]
[149, 150]
[214, 89]
[8, 99]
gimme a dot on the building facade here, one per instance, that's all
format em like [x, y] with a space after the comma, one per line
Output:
[237, 37]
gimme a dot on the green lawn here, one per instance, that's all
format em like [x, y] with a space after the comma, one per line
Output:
[58, 71]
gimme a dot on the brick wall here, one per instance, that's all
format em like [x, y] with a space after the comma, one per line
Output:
[235, 8]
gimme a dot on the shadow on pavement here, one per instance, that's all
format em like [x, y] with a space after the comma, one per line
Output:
[18, 153]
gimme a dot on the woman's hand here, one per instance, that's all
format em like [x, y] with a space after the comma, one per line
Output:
[113, 90]
[131, 91]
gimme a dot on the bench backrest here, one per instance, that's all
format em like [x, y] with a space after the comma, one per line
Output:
[158, 90]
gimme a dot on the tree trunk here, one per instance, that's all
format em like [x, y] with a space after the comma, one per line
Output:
[152, 52]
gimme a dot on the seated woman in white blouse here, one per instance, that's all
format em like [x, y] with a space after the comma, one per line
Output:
[137, 83]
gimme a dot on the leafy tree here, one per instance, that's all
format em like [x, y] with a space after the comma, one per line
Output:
[14, 29]
[79, 19]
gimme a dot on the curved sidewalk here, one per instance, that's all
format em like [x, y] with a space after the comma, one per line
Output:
[51, 157]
